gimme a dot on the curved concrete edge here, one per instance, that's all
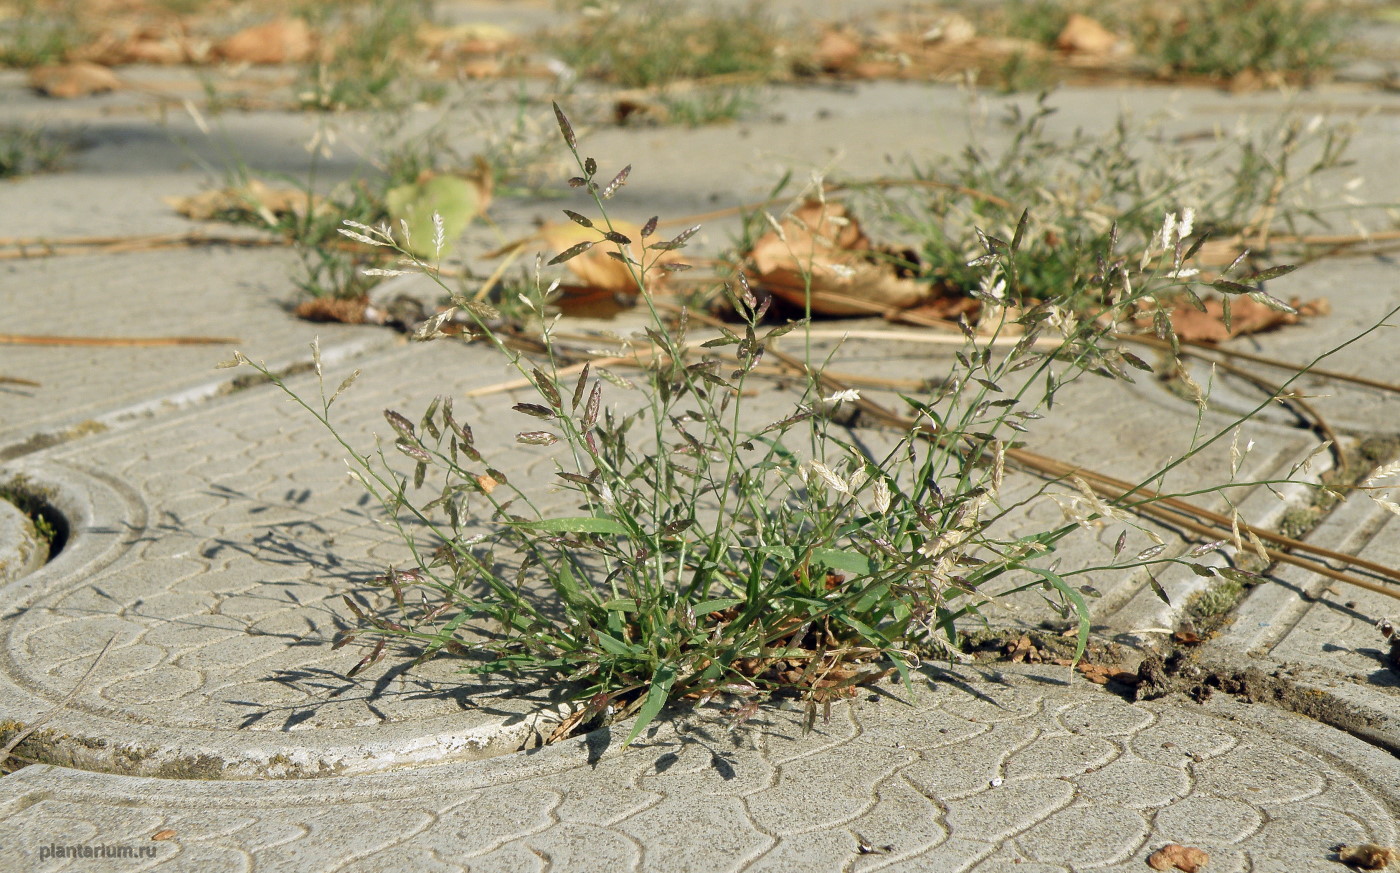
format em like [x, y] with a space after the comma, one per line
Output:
[989, 768]
[102, 514]
[100, 511]
[1373, 767]
[89, 742]
[21, 549]
[589, 749]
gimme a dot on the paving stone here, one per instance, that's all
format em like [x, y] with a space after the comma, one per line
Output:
[588, 798]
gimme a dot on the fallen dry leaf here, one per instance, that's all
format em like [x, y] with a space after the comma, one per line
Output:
[161, 44]
[1085, 35]
[595, 273]
[256, 198]
[281, 41]
[79, 79]
[345, 311]
[836, 52]
[950, 30]
[1102, 674]
[471, 38]
[1367, 856]
[1247, 316]
[1172, 856]
[822, 249]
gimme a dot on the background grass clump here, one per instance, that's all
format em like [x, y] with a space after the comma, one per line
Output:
[656, 42]
[1092, 193]
[1218, 39]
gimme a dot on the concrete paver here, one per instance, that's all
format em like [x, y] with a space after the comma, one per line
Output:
[977, 770]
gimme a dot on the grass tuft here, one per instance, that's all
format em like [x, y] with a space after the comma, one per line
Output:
[711, 552]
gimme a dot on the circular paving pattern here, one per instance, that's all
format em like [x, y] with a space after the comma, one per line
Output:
[979, 770]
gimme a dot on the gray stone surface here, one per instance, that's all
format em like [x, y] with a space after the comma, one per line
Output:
[229, 533]
[977, 770]
[214, 533]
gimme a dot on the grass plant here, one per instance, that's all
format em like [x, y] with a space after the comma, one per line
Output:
[1092, 191]
[710, 552]
[40, 32]
[1218, 39]
[647, 43]
[371, 56]
[26, 149]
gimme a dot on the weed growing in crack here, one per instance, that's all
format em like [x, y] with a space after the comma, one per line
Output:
[372, 48]
[1224, 39]
[655, 42]
[713, 550]
[27, 149]
[1289, 40]
[408, 180]
[41, 33]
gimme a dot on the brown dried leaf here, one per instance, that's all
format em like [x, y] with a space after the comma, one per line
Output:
[66, 81]
[951, 29]
[595, 273]
[837, 52]
[345, 311]
[465, 40]
[281, 41]
[166, 43]
[1247, 316]
[1102, 674]
[1173, 856]
[821, 239]
[1367, 856]
[1085, 35]
[254, 199]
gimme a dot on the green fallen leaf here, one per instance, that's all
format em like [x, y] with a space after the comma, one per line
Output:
[455, 199]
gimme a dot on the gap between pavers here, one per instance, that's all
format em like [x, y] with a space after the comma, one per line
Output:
[1313, 643]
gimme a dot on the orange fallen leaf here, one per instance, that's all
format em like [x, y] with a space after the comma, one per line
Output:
[1173, 856]
[822, 250]
[281, 41]
[79, 79]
